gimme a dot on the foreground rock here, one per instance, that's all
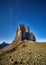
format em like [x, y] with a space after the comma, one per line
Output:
[27, 53]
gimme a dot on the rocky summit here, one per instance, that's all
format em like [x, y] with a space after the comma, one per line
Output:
[23, 50]
[23, 33]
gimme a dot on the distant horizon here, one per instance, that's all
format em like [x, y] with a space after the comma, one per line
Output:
[11, 41]
[8, 41]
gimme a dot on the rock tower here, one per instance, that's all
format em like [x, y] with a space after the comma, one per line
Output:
[23, 33]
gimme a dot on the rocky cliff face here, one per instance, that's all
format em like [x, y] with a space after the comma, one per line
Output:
[23, 33]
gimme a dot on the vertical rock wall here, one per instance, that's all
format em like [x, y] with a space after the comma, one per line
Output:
[23, 33]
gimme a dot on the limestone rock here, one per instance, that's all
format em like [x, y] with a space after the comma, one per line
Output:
[23, 33]
[32, 37]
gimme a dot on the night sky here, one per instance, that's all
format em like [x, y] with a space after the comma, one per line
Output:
[32, 13]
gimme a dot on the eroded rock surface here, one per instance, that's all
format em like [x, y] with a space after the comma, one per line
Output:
[28, 53]
[23, 33]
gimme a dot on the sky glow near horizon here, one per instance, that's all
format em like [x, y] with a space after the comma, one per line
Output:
[32, 13]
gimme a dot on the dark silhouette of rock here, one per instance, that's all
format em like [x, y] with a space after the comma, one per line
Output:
[27, 33]
[32, 37]
[2, 45]
[23, 33]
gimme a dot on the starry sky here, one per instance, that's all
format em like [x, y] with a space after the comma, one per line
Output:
[32, 13]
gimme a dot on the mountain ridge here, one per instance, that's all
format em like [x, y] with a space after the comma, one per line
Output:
[3, 44]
